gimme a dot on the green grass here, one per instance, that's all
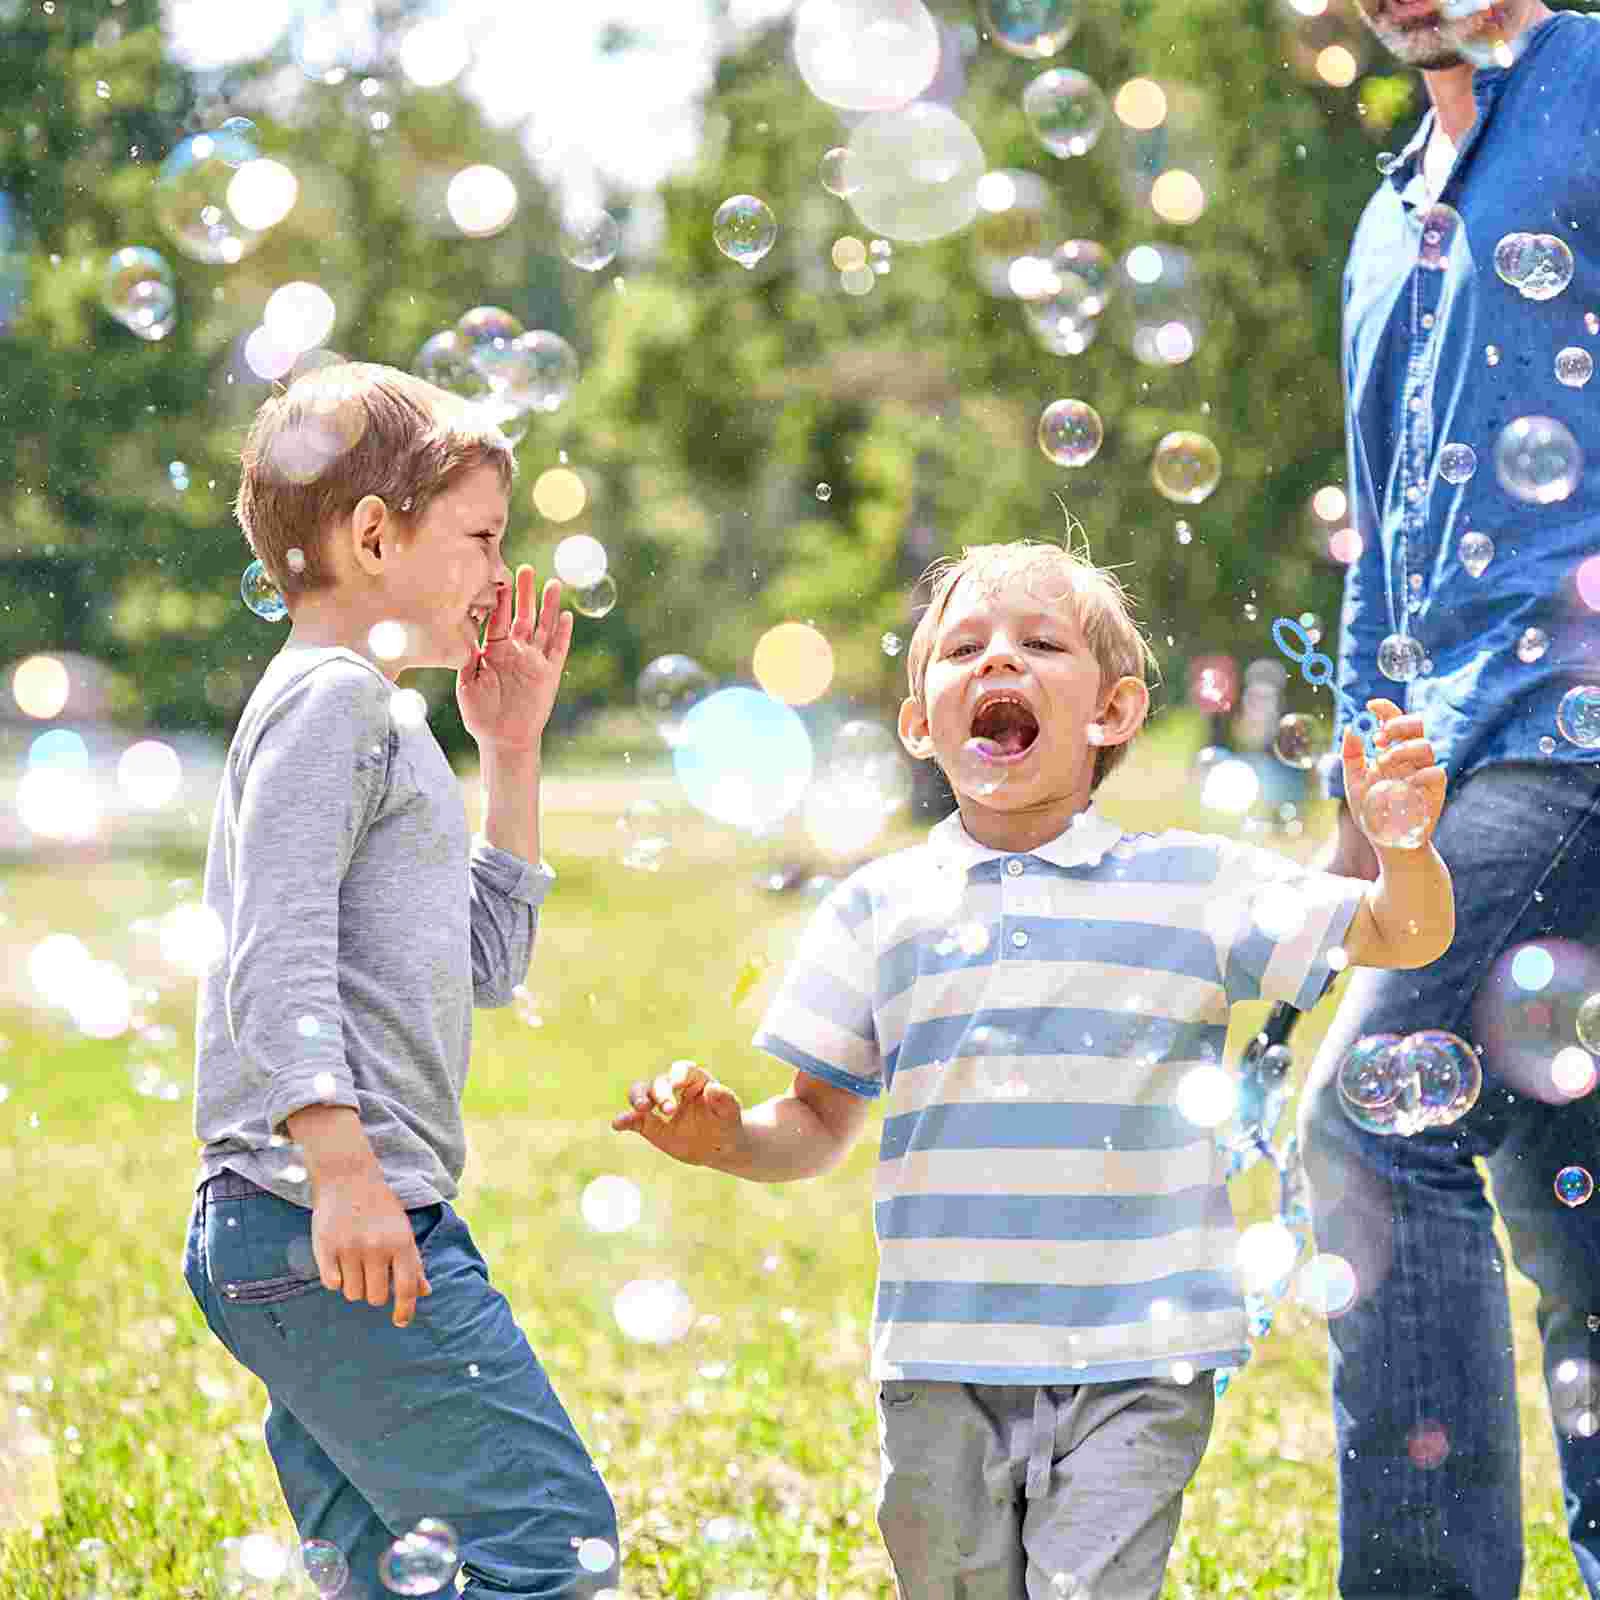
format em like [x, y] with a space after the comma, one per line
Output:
[763, 1412]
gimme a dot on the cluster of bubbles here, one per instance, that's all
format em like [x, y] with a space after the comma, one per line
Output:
[1394, 1085]
[510, 374]
[1185, 468]
[140, 292]
[421, 1561]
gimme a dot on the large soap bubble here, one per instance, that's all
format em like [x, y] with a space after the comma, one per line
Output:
[191, 196]
[1165, 304]
[743, 758]
[916, 173]
[1066, 110]
[1538, 460]
[866, 55]
[1186, 467]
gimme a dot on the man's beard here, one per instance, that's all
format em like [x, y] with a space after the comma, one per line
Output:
[1425, 49]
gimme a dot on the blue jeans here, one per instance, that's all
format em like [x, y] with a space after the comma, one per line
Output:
[372, 1427]
[1424, 1391]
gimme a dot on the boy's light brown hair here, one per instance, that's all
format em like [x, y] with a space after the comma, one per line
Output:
[1053, 575]
[338, 434]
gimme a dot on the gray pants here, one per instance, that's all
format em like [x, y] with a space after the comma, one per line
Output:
[998, 1492]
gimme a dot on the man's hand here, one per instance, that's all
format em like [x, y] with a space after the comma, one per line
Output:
[361, 1240]
[1404, 755]
[684, 1112]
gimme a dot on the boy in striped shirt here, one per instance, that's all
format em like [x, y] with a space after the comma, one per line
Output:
[1028, 989]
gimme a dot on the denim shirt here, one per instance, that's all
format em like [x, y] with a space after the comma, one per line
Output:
[1440, 357]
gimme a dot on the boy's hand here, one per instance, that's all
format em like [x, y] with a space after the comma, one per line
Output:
[507, 691]
[1404, 754]
[361, 1238]
[684, 1112]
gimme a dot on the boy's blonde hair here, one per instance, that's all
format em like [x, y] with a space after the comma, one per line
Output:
[1054, 575]
[338, 434]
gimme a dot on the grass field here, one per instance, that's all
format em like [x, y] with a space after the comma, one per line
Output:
[743, 1457]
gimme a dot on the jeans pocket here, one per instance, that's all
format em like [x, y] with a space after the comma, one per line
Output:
[897, 1395]
[269, 1291]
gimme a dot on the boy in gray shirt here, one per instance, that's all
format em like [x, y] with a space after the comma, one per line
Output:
[359, 925]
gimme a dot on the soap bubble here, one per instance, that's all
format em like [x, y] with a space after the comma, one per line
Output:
[444, 361]
[1574, 366]
[611, 1204]
[835, 173]
[1440, 225]
[325, 1565]
[1030, 28]
[422, 1561]
[330, 39]
[1513, 258]
[595, 1555]
[590, 239]
[1013, 234]
[1448, 1076]
[793, 662]
[1574, 1186]
[299, 316]
[580, 560]
[645, 842]
[1165, 305]
[1588, 1024]
[1396, 815]
[866, 55]
[1578, 716]
[1092, 266]
[1070, 433]
[1476, 551]
[1327, 1284]
[1547, 268]
[1299, 741]
[1537, 460]
[487, 337]
[1206, 1095]
[548, 371]
[1400, 657]
[669, 688]
[1186, 468]
[744, 229]
[1371, 1083]
[139, 292]
[653, 1310]
[891, 644]
[1066, 111]
[261, 594]
[481, 200]
[1532, 643]
[866, 762]
[979, 768]
[1457, 462]
[596, 599]
[743, 758]
[917, 173]
[191, 197]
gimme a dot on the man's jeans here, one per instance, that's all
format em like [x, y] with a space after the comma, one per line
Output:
[372, 1427]
[1424, 1390]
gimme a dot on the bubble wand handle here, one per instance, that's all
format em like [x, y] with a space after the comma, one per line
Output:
[1317, 670]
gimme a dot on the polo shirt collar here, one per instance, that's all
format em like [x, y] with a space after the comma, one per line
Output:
[1083, 843]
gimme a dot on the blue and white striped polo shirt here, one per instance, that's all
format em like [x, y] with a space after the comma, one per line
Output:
[1044, 1212]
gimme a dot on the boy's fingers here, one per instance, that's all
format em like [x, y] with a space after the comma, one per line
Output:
[377, 1282]
[1383, 709]
[663, 1102]
[406, 1287]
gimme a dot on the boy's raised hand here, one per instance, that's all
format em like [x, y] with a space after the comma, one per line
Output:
[508, 689]
[1404, 754]
[685, 1112]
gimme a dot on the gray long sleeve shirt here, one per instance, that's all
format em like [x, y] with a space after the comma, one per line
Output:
[361, 924]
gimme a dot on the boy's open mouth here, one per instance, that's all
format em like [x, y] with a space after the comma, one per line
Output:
[1006, 723]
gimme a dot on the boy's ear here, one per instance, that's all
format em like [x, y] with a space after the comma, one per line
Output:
[915, 733]
[370, 532]
[1125, 710]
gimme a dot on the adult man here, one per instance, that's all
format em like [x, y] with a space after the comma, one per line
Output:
[1439, 350]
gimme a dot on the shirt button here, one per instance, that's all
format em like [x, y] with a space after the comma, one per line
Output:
[1014, 867]
[1019, 938]
[1427, 319]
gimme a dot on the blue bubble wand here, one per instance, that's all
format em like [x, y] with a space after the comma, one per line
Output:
[1317, 670]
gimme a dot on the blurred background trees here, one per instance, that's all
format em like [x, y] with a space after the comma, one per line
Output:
[714, 402]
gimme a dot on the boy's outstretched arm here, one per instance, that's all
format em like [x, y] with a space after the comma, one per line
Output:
[689, 1115]
[1408, 917]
